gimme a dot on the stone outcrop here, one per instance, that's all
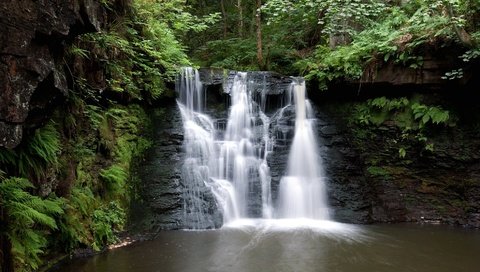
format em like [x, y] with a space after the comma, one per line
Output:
[267, 82]
[213, 76]
[348, 190]
[262, 82]
[163, 189]
[369, 182]
[427, 71]
[33, 77]
[160, 171]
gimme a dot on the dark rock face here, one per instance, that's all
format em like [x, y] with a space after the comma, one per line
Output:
[212, 76]
[32, 39]
[163, 188]
[161, 171]
[273, 83]
[369, 182]
[435, 63]
[349, 194]
[269, 88]
[270, 83]
[283, 129]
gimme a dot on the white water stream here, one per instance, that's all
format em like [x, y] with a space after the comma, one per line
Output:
[302, 190]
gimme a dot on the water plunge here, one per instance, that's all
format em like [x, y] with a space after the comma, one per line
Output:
[230, 163]
[302, 193]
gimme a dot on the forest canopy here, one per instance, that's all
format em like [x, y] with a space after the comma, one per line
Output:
[329, 39]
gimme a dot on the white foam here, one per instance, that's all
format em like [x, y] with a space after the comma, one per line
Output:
[291, 225]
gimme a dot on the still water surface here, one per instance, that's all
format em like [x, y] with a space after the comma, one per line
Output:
[267, 247]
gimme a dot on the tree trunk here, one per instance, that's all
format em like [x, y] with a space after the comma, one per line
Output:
[224, 15]
[258, 21]
[240, 15]
[462, 34]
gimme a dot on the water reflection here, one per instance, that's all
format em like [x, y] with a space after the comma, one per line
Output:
[265, 247]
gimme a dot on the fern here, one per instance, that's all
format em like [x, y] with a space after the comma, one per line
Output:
[30, 220]
[106, 221]
[83, 200]
[115, 178]
[74, 50]
[7, 156]
[94, 115]
[37, 153]
[75, 226]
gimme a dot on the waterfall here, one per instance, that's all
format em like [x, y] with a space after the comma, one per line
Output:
[229, 163]
[199, 147]
[302, 192]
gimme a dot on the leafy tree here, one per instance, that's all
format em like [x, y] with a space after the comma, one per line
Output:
[143, 52]
[328, 40]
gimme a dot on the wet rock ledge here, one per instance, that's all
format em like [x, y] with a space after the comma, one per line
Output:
[33, 38]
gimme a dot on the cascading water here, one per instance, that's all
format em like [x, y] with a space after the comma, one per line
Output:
[231, 163]
[199, 147]
[302, 192]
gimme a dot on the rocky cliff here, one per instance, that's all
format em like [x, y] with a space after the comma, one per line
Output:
[33, 73]
[370, 181]
[367, 179]
[163, 189]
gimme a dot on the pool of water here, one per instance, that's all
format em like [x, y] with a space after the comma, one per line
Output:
[272, 246]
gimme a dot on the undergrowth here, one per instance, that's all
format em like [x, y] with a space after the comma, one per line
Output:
[94, 196]
[413, 119]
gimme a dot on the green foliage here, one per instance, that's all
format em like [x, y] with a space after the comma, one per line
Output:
[75, 225]
[361, 34]
[115, 178]
[330, 40]
[174, 14]
[93, 209]
[388, 104]
[232, 42]
[75, 51]
[46, 144]
[37, 153]
[378, 110]
[106, 221]
[129, 123]
[413, 118]
[337, 17]
[425, 115]
[232, 53]
[421, 114]
[141, 54]
[454, 74]
[30, 220]
[90, 219]
[94, 114]
[93, 138]
[378, 171]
